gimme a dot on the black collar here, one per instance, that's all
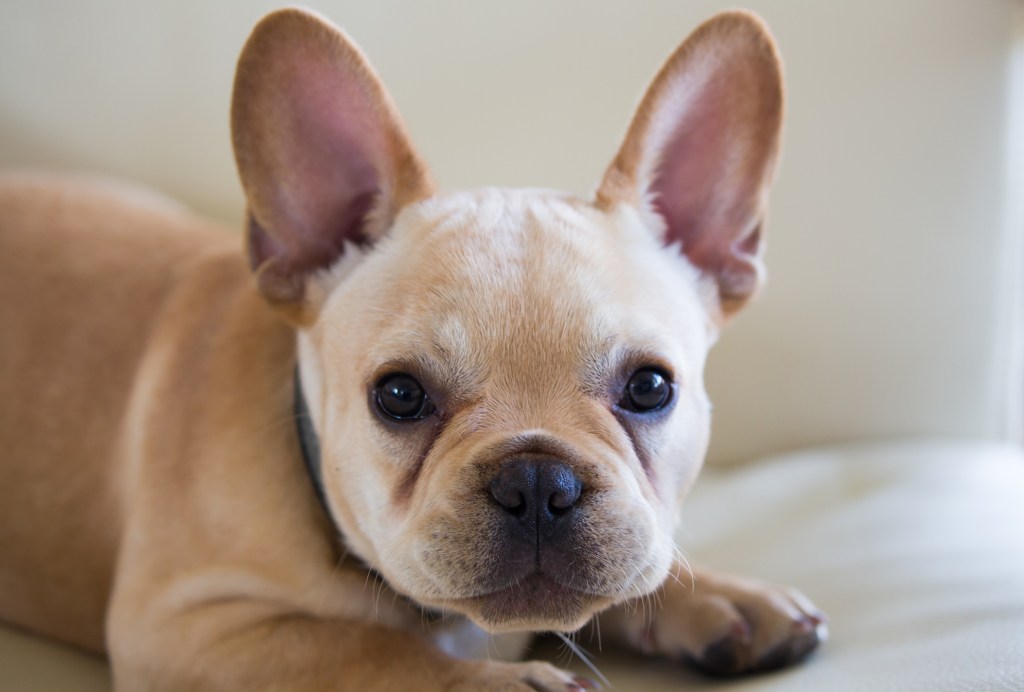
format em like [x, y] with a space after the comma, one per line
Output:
[309, 443]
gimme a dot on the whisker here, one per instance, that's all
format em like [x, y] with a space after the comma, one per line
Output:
[581, 654]
[684, 562]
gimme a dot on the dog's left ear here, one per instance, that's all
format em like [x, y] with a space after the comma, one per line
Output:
[701, 151]
[322, 154]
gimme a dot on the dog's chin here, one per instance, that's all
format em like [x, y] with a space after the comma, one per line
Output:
[535, 603]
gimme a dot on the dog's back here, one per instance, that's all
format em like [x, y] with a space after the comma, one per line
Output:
[84, 270]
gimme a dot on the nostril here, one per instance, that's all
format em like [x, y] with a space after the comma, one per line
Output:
[512, 502]
[509, 486]
[561, 502]
[565, 489]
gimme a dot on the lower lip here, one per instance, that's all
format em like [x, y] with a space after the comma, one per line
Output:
[534, 596]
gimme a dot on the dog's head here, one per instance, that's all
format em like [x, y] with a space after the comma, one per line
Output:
[507, 385]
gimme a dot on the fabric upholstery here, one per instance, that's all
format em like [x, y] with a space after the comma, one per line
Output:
[915, 550]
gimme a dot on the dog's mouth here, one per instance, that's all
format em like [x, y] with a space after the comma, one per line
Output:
[534, 602]
[538, 550]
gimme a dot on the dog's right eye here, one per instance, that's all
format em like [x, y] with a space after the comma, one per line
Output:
[648, 390]
[402, 398]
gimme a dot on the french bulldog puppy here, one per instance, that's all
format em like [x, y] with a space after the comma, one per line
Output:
[404, 429]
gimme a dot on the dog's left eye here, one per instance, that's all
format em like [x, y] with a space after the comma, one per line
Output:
[401, 397]
[647, 390]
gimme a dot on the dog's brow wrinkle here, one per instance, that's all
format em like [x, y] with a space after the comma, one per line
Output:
[403, 317]
[451, 340]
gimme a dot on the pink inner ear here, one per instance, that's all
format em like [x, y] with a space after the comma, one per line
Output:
[714, 148]
[704, 186]
[321, 153]
[327, 161]
[701, 150]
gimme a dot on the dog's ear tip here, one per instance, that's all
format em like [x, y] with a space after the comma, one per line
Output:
[739, 18]
[742, 30]
[271, 24]
[742, 21]
[293, 29]
[290, 15]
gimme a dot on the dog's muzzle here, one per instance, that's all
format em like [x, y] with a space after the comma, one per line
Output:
[537, 498]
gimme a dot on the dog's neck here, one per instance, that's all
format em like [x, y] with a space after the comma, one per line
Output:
[309, 443]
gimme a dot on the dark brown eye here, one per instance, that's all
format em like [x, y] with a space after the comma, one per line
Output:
[401, 397]
[647, 390]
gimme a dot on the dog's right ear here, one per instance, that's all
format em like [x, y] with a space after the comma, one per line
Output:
[701, 151]
[323, 157]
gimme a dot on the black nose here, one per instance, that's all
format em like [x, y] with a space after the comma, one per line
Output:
[536, 490]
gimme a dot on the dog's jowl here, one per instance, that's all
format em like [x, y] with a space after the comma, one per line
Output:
[401, 430]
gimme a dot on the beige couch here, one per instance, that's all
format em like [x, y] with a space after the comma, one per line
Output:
[866, 406]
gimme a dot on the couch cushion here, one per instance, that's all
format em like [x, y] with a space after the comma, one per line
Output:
[31, 664]
[915, 550]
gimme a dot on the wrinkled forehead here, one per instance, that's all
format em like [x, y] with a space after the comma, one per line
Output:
[513, 272]
[509, 279]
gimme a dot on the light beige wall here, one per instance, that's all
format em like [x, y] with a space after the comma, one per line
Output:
[886, 312]
[1014, 255]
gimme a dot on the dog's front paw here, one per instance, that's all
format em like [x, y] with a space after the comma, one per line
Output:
[528, 676]
[728, 625]
[749, 626]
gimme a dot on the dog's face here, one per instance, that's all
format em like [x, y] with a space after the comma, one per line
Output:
[512, 405]
[507, 384]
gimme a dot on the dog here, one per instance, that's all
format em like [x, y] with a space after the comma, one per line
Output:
[403, 430]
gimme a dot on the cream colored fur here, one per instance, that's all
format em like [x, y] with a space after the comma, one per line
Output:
[154, 505]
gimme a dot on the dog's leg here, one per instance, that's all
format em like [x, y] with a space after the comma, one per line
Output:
[723, 624]
[249, 645]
